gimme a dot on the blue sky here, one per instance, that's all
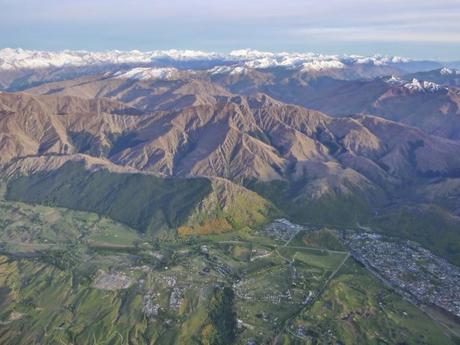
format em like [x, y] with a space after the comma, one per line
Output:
[413, 28]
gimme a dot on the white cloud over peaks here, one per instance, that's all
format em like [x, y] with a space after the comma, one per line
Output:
[380, 34]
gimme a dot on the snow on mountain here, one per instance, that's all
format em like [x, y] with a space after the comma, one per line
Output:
[322, 65]
[395, 80]
[422, 86]
[448, 71]
[232, 70]
[147, 73]
[415, 85]
[379, 60]
[18, 59]
[11, 59]
[308, 61]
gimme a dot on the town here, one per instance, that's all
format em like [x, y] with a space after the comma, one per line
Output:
[411, 269]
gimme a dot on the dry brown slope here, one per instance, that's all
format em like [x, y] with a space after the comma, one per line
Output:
[238, 138]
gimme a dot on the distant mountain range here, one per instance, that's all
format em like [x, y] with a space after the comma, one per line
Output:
[16, 64]
[29, 59]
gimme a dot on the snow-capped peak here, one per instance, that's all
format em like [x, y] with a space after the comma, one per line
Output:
[449, 71]
[422, 86]
[322, 65]
[232, 70]
[415, 85]
[147, 73]
[395, 80]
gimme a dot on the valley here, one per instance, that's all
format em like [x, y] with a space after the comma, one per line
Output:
[58, 265]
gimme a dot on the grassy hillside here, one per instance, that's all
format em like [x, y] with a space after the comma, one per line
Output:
[333, 210]
[146, 203]
[229, 207]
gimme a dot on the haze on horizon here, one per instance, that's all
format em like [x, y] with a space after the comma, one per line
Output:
[413, 28]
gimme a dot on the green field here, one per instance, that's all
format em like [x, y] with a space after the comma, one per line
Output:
[23, 224]
[322, 238]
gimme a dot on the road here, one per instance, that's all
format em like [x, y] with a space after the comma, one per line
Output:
[293, 247]
[337, 269]
[311, 301]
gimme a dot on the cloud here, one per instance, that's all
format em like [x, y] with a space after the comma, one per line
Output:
[389, 21]
[224, 9]
[380, 34]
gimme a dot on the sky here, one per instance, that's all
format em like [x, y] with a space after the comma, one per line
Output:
[422, 29]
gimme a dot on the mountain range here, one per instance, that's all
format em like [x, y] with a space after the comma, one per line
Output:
[242, 198]
[24, 68]
[321, 139]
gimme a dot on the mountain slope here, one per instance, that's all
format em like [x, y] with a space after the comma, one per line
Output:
[48, 124]
[234, 137]
[145, 202]
[416, 100]
[253, 141]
